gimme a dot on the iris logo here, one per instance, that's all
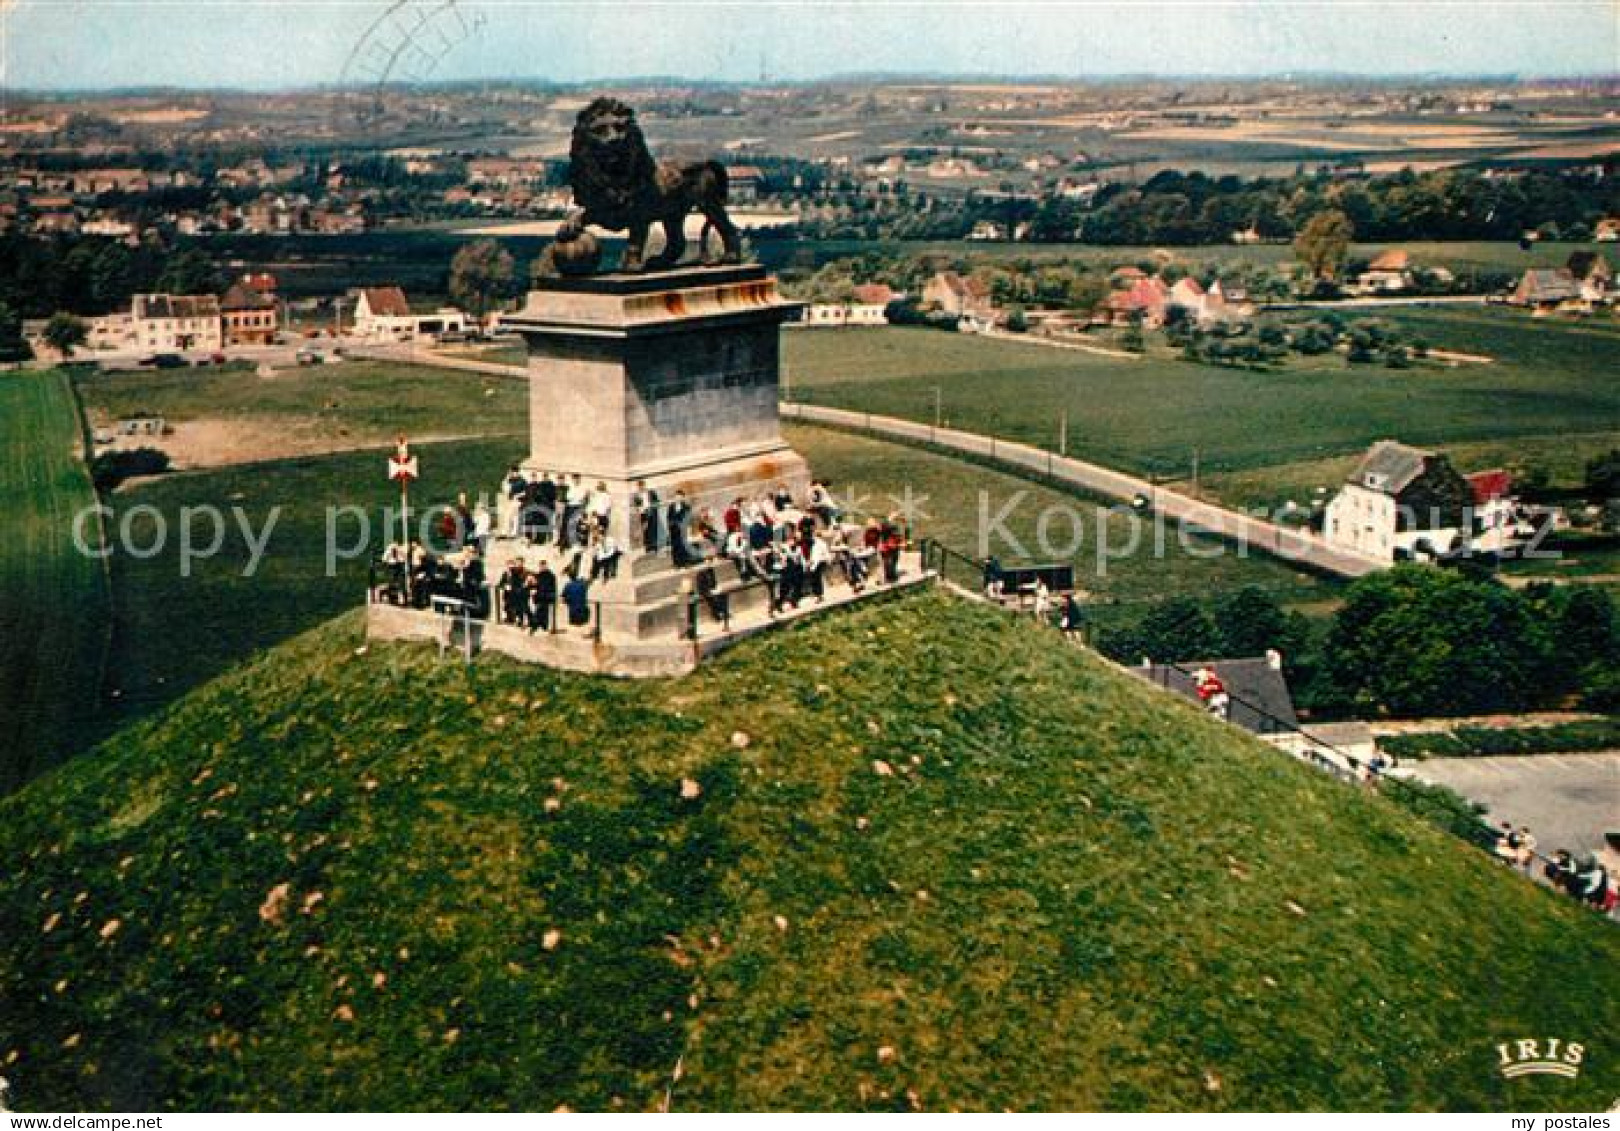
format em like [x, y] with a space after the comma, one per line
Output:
[1549, 1057]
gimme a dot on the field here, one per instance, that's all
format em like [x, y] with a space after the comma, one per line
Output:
[912, 855]
[1460, 256]
[235, 416]
[1151, 416]
[53, 599]
[1120, 561]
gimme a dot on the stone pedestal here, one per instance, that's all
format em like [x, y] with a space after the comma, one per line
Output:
[671, 379]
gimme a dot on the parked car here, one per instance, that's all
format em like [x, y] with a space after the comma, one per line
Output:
[163, 361]
[308, 357]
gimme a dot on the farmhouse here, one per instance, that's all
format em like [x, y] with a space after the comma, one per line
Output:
[965, 298]
[168, 323]
[743, 183]
[1201, 305]
[1544, 289]
[1391, 272]
[1607, 230]
[1232, 298]
[868, 307]
[1401, 503]
[382, 313]
[1146, 299]
[250, 311]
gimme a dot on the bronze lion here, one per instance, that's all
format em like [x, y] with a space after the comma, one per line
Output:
[618, 186]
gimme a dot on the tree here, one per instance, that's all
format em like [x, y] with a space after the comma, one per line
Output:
[1603, 476]
[13, 347]
[1416, 640]
[64, 331]
[190, 273]
[481, 277]
[1177, 630]
[1250, 622]
[1322, 244]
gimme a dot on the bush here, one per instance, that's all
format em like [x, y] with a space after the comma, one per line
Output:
[1444, 808]
[110, 469]
[1485, 742]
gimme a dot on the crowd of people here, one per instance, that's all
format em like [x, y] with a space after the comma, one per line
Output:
[1583, 878]
[413, 575]
[790, 546]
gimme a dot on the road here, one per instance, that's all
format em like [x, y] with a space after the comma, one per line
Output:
[1568, 800]
[1246, 530]
[1380, 300]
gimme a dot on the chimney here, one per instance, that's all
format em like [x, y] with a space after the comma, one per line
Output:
[1274, 659]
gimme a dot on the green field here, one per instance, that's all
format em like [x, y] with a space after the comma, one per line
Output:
[1120, 560]
[954, 863]
[174, 632]
[1461, 256]
[354, 402]
[1152, 416]
[53, 599]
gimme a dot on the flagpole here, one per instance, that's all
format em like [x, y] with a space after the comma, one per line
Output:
[405, 532]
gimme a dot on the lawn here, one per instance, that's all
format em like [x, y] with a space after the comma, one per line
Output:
[53, 599]
[173, 632]
[910, 855]
[1152, 416]
[353, 402]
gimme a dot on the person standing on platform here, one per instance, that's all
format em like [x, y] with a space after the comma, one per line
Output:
[543, 598]
[676, 518]
[647, 507]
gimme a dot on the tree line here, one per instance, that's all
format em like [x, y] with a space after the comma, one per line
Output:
[1410, 641]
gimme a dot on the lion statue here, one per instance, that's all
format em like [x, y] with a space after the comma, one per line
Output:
[618, 186]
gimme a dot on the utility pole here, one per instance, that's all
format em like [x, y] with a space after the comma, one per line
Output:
[1063, 433]
[1195, 471]
[939, 406]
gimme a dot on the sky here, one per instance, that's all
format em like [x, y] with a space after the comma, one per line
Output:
[272, 44]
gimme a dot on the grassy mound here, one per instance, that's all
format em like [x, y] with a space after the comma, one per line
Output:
[907, 855]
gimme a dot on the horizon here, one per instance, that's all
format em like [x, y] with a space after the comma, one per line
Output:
[220, 46]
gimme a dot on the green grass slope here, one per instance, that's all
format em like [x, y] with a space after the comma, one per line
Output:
[53, 599]
[955, 863]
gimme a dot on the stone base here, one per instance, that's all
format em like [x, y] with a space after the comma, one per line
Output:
[666, 650]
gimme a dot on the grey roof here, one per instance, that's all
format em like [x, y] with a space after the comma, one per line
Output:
[1549, 284]
[1390, 467]
[1261, 702]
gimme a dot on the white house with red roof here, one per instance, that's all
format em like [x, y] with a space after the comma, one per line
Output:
[384, 314]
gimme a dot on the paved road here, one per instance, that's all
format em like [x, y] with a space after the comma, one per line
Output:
[1267, 537]
[1568, 800]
